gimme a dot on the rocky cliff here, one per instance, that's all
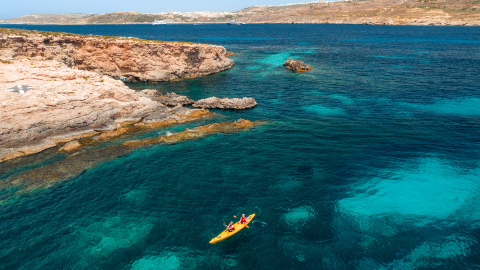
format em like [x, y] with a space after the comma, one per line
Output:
[129, 59]
[44, 104]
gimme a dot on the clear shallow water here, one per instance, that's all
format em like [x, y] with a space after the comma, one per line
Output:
[371, 161]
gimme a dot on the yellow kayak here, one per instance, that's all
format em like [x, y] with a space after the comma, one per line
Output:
[238, 227]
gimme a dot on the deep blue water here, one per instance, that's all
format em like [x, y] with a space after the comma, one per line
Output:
[370, 161]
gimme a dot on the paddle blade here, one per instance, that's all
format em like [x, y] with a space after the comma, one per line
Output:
[234, 216]
[247, 226]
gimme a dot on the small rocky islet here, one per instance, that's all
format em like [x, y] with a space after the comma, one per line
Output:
[59, 88]
[296, 65]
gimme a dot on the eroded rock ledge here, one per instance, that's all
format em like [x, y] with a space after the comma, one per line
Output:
[129, 59]
[198, 132]
[169, 99]
[226, 103]
[61, 105]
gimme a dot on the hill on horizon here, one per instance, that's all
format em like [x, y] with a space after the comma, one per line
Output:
[389, 12]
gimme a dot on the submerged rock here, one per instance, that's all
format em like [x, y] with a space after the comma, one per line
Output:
[296, 65]
[112, 133]
[198, 132]
[169, 99]
[71, 146]
[226, 103]
[64, 169]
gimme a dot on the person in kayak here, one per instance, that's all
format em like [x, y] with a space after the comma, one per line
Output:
[230, 227]
[243, 219]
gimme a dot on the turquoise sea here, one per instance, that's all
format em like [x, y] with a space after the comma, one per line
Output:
[370, 161]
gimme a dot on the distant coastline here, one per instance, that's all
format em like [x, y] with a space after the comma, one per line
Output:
[368, 12]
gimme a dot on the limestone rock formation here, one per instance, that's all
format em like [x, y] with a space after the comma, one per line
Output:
[56, 104]
[71, 146]
[197, 132]
[169, 99]
[226, 103]
[296, 65]
[128, 59]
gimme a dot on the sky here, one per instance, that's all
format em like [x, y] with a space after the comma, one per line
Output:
[16, 8]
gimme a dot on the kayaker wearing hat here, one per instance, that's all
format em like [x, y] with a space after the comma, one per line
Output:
[230, 227]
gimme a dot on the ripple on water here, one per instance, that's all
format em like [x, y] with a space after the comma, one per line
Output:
[324, 110]
[288, 186]
[277, 59]
[342, 98]
[395, 57]
[413, 39]
[465, 107]
[177, 258]
[303, 43]
[166, 261]
[426, 187]
[271, 62]
[442, 248]
[297, 217]
[102, 238]
[253, 67]
[236, 38]
[135, 196]
[401, 66]
[292, 247]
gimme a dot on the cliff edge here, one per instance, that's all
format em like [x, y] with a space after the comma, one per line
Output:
[44, 104]
[128, 59]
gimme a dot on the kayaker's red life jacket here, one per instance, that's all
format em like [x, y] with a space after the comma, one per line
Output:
[231, 227]
[243, 220]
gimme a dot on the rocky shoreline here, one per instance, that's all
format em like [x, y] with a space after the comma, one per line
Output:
[65, 105]
[57, 88]
[47, 104]
[128, 59]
